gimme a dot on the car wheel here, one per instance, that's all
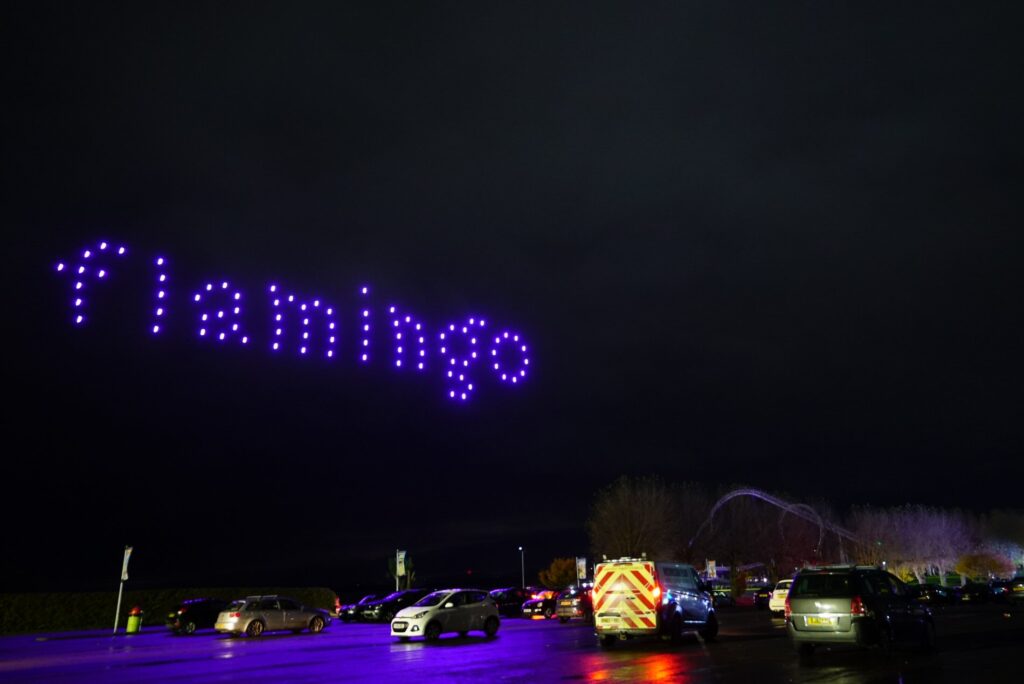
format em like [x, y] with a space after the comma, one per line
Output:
[563, 619]
[316, 625]
[491, 626]
[549, 613]
[254, 629]
[607, 641]
[710, 629]
[676, 630]
[432, 632]
[189, 628]
[928, 637]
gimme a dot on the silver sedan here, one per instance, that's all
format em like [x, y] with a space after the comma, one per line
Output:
[257, 614]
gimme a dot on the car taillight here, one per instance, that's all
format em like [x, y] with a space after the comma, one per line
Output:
[234, 615]
[789, 608]
[857, 606]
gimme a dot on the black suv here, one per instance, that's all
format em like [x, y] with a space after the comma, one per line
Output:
[510, 600]
[351, 611]
[383, 610]
[857, 605]
[193, 614]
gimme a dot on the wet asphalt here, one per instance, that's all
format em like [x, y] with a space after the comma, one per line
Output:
[976, 644]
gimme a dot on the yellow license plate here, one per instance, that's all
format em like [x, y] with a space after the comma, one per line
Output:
[820, 621]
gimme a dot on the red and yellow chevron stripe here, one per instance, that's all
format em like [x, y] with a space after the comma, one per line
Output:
[630, 590]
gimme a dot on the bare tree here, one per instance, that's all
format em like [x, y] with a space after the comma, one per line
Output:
[637, 515]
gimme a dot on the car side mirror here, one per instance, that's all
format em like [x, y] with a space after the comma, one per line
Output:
[449, 605]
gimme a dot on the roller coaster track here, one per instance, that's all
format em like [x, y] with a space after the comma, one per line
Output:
[800, 510]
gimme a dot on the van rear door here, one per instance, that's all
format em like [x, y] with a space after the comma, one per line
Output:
[626, 597]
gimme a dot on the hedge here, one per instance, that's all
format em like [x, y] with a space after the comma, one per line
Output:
[55, 612]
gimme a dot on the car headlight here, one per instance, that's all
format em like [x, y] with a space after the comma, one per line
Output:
[420, 614]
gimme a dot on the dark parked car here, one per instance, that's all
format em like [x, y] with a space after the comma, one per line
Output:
[193, 614]
[854, 605]
[1008, 591]
[762, 595]
[575, 602]
[542, 604]
[721, 594]
[933, 594]
[510, 600]
[974, 592]
[385, 609]
[350, 611]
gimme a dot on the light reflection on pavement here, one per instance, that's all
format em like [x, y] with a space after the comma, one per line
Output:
[979, 646]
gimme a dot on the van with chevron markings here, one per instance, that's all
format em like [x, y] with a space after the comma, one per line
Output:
[636, 597]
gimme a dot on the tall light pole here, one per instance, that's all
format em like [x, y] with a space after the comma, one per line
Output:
[522, 567]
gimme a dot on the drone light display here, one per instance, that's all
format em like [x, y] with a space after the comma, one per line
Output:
[307, 326]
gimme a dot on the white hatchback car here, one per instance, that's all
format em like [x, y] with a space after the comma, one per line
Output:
[777, 603]
[447, 610]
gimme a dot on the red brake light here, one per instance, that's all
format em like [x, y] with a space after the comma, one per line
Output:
[789, 608]
[857, 606]
[657, 591]
[234, 615]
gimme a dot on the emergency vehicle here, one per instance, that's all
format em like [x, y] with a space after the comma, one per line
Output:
[636, 597]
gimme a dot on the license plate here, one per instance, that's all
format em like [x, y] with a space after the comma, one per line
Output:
[398, 626]
[566, 603]
[820, 621]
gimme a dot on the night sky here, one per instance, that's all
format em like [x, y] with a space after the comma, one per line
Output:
[746, 243]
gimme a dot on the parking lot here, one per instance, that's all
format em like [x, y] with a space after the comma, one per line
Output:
[976, 644]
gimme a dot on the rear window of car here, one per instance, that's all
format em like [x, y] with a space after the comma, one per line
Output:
[236, 606]
[784, 584]
[825, 585]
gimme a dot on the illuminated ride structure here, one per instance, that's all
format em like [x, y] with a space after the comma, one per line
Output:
[800, 510]
[308, 326]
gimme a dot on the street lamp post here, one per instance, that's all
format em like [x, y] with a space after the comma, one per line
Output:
[522, 567]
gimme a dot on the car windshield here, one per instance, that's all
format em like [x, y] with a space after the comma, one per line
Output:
[825, 585]
[432, 599]
[392, 596]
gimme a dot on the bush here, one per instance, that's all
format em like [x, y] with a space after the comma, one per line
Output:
[55, 612]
